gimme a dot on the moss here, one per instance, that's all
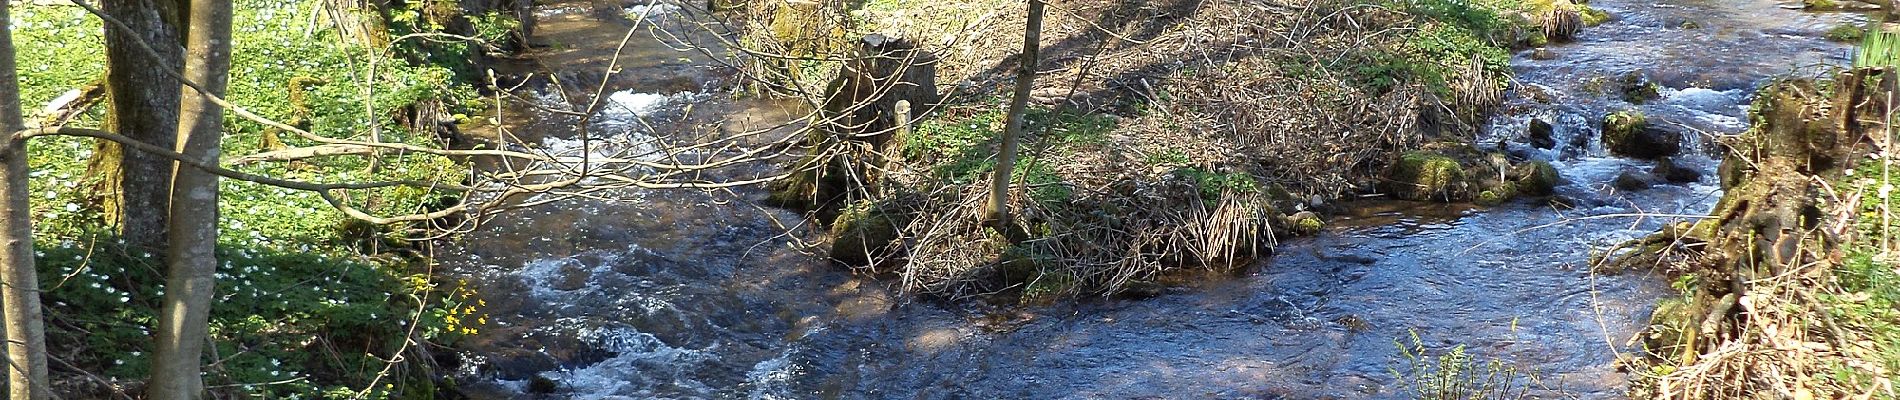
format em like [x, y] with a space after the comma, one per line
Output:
[1305, 223]
[1820, 5]
[1621, 127]
[1670, 327]
[1846, 33]
[1425, 176]
[864, 233]
[1049, 285]
[1536, 178]
[1497, 195]
[1592, 16]
[1537, 39]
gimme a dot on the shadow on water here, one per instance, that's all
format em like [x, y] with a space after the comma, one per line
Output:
[685, 294]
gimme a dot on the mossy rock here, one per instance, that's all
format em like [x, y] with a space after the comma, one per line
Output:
[1592, 16]
[865, 233]
[1846, 33]
[1536, 178]
[1628, 133]
[1536, 39]
[1421, 176]
[1820, 5]
[1305, 223]
[1671, 327]
[1497, 195]
[1638, 88]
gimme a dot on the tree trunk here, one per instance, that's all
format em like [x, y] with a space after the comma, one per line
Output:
[145, 105]
[19, 285]
[997, 215]
[191, 257]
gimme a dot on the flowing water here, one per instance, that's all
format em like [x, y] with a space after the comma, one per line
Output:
[684, 294]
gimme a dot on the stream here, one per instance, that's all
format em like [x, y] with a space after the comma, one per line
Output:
[691, 294]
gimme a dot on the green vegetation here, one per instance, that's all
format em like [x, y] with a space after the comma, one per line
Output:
[1425, 176]
[296, 305]
[961, 145]
[1878, 48]
[1594, 17]
[1868, 302]
[1457, 375]
[1847, 33]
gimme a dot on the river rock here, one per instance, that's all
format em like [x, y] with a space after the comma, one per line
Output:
[1629, 134]
[1421, 176]
[1305, 223]
[1666, 169]
[1536, 178]
[1638, 88]
[1542, 134]
[1542, 53]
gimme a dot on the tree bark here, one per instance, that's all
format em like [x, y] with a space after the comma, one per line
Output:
[998, 215]
[145, 103]
[19, 284]
[191, 257]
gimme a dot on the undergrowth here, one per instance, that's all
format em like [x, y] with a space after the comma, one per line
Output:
[299, 314]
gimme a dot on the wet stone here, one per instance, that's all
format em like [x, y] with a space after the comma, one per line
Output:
[1542, 134]
[1631, 180]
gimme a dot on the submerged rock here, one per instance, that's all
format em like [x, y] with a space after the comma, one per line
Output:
[1629, 134]
[1638, 88]
[1543, 54]
[1422, 176]
[1667, 170]
[1631, 181]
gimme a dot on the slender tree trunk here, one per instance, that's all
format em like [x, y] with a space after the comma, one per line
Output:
[145, 103]
[191, 257]
[998, 215]
[19, 284]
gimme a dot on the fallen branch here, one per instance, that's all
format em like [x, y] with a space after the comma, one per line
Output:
[301, 153]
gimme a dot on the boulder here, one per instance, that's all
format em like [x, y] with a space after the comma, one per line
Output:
[1629, 134]
[1422, 176]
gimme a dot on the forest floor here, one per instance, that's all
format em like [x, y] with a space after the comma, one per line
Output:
[302, 311]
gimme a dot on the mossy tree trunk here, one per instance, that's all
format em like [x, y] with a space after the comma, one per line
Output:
[861, 127]
[1770, 220]
[145, 106]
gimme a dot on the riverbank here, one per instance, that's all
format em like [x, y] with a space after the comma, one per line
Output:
[1789, 285]
[1162, 137]
[701, 295]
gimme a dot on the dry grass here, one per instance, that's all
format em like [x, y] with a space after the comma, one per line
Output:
[1227, 114]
